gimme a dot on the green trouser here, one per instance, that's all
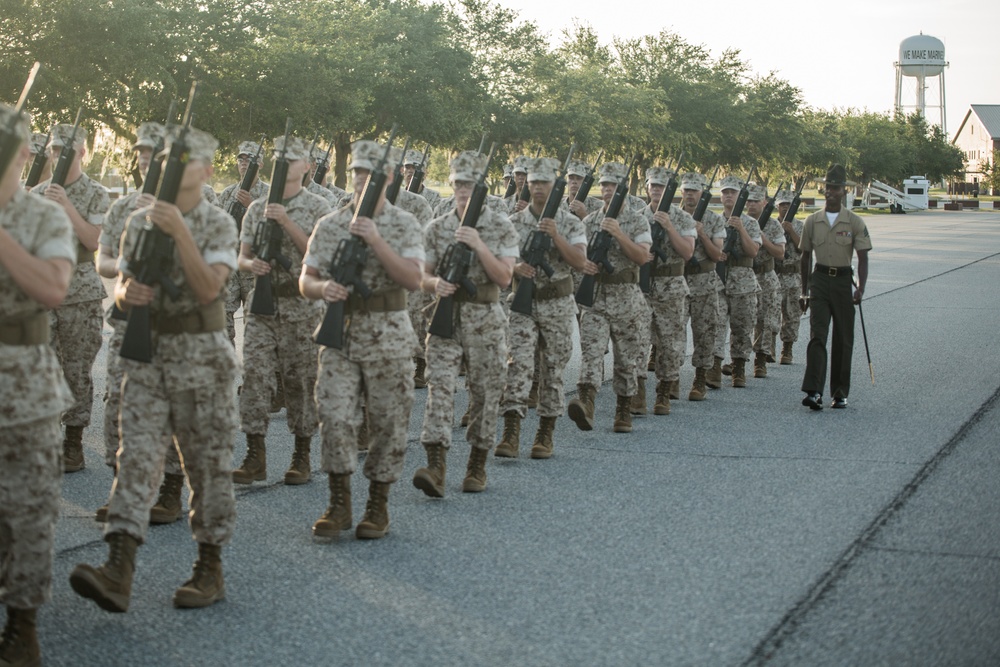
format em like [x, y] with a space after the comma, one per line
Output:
[830, 297]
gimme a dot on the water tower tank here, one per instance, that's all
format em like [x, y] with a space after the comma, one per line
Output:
[921, 55]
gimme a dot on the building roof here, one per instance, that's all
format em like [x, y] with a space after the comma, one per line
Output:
[989, 116]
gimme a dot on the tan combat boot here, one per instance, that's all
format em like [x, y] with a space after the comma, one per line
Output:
[662, 405]
[475, 471]
[760, 365]
[739, 372]
[73, 449]
[430, 479]
[699, 389]
[109, 585]
[675, 390]
[511, 440]
[337, 516]
[19, 642]
[419, 371]
[364, 437]
[786, 352]
[727, 369]
[254, 466]
[623, 416]
[542, 447]
[713, 377]
[206, 586]
[581, 408]
[300, 471]
[638, 405]
[375, 523]
[168, 506]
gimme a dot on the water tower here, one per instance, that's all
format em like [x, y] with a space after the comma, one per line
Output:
[921, 57]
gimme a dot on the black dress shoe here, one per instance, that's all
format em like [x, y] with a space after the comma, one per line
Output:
[813, 401]
[839, 403]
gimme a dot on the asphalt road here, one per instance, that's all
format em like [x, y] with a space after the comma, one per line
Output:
[741, 530]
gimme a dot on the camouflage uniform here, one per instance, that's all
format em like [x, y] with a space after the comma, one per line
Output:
[416, 302]
[33, 393]
[619, 311]
[738, 304]
[76, 324]
[377, 353]
[479, 336]
[239, 285]
[668, 294]
[188, 390]
[338, 194]
[282, 343]
[549, 328]
[329, 196]
[769, 297]
[790, 276]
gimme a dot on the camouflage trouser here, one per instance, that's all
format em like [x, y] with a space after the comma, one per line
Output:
[479, 336]
[388, 387]
[416, 302]
[791, 312]
[669, 327]
[238, 289]
[274, 346]
[77, 338]
[704, 309]
[768, 320]
[620, 313]
[29, 507]
[549, 329]
[739, 313]
[113, 391]
[203, 424]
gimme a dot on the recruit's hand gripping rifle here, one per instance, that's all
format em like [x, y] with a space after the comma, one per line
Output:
[659, 234]
[732, 244]
[66, 155]
[237, 209]
[153, 256]
[350, 257]
[793, 208]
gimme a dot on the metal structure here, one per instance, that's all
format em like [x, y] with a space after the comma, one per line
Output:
[921, 57]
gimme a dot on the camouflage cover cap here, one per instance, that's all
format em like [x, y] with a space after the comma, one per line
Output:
[521, 164]
[297, 148]
[543, 168]
[22, 126]
[148, 135]
[508, 171]
[577, 168]
[201, 145]
[249, 148]
[756, 192]
[612, 172]
[730, 183]
[693, 181]
[658, 175]
[784, 197]
[61, 135]
[366, 154]
[37, 142]
[413, 158]
[468, 166]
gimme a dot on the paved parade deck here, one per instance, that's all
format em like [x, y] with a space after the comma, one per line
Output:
[741, 530]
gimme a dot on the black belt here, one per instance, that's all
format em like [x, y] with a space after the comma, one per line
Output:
[834, 271]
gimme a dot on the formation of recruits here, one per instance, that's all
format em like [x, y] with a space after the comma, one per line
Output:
[183, 406]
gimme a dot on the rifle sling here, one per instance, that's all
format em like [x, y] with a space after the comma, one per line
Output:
[32, 330]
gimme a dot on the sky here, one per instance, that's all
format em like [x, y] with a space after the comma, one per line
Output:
[839, 55]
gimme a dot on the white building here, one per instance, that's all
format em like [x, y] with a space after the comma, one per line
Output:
[978, 137]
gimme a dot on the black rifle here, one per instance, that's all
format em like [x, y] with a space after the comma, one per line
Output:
[322, 167]
[601, 242]
[153, 255]
[588, 181]
[458, 258]
[152, 178]
[392, 192]
[66, 156]
[269, 235]
[10, 138]
[236, 209]
[350, 257]
[768, 209]
[701, 208]
[417, 179]
[535, 250]
[312, 146]
[793, 208]
[38, 165]
[659, 246]
[732, 244]
[511, 186]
